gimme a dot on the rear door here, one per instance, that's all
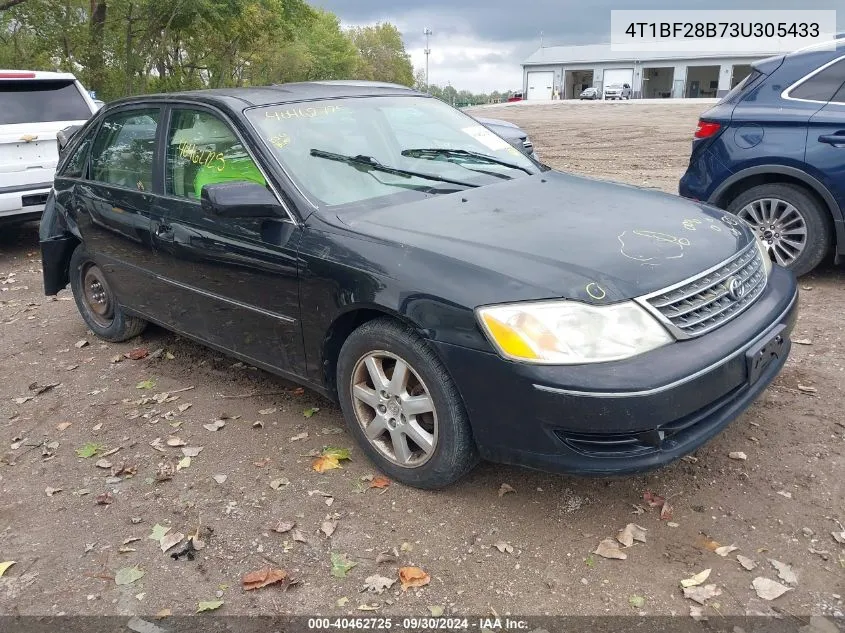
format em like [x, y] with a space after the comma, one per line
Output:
[233, 282]
[825, 155]
[32, 111]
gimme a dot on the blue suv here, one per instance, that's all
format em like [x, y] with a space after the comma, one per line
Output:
[773, 153]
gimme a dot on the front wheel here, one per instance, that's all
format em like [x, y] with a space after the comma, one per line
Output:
[97, 302]
[791, 223]
[402, 407]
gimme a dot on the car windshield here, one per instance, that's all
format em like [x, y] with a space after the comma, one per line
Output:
[41, 101]
[361, 150]
[615, 86]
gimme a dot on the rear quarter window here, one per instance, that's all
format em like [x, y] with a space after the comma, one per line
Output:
[41, 101]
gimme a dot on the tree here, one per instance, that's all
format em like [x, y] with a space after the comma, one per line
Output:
[383, 54]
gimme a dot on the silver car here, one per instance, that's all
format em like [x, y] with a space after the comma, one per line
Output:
[590, 93]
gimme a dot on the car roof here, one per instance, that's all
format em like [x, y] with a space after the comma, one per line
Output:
[33, 75]
[280, 93]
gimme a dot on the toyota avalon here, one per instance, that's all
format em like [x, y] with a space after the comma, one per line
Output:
[457, 298]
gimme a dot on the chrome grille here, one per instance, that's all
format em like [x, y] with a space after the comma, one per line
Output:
[706, 302]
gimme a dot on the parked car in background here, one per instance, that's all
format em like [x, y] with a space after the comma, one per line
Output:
[458, 299]
[617, 91]
[772, 151]
[590, 93]
[34, 106]
[516, 96]
[512, 133]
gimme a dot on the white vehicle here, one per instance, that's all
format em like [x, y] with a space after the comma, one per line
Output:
[34, 107]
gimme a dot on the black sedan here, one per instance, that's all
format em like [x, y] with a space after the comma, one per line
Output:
[460, 300]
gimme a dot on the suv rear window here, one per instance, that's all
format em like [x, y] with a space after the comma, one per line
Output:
[41, 101]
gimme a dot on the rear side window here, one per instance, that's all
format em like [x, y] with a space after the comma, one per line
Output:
[75, 167]
[742, 85]
[823, 85]
[124, 149]
[39, 101]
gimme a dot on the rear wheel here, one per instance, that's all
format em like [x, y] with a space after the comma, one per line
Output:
[791, 223]
[97, 303]
[402, 407]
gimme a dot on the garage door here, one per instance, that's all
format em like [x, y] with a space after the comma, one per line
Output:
[618, 76]
[540, 85]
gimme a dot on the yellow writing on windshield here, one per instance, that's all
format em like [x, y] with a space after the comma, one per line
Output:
[280, 141]
[304, 113]
[207, 159]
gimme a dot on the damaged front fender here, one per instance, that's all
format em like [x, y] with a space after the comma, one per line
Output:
[57, 245]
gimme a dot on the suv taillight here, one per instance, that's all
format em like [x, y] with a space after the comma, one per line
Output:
[706, 129]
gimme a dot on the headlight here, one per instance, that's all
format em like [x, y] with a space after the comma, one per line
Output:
[571, 333]
[764, 253]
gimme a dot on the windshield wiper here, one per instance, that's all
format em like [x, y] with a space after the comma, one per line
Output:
[368, 163]
[436, 152]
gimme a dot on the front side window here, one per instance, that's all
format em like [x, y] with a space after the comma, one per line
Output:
[823, 85]
[203, 150]
[421, 136]
[124, 149]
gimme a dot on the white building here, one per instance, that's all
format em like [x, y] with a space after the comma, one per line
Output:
[570, 69]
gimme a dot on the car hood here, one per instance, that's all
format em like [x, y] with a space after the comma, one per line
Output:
[563, 236]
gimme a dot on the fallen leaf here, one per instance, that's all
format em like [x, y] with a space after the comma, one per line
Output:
[705, 542]
[379, 482]
[89, 450]
[137, 354]
[298, 391]
[341, 565]
[369, 607]
[146, 384]
[784, 493]
[209, 605]
[839, 537]
[505, 489]
[436, 611]
[278, 484]
[63, 425]
[269, 411]
[158, 445]
[609, 548]
[328, 527]
[103, 463]
[158, 532]
[310, 412]
[739, 455]
[192, 451]
[802, 341]
[768, 589]
[284, 526]
[413, 577]
[301, 436]
[258, 424]
[342, 602]
[220, 479]
[698, 579]
[805, 389]
[262, 578]
[174, 441]
[23, 400]
[104, 499]
[184, 407]
[4, 566]
[170, 540]
[330, 459]
[406, 547]
[725, 550]
[298, 537]
[378, 584]
[636, 601]
[503, 547]
[632, 532]
[80, 344]
[697, 614]
[51, 491]
[214, 426]
[702, 594]
[666, 512]
[185, 462]
[261, 463]
[785, 572]
[128, 575]
[388, 556]
[653, 500]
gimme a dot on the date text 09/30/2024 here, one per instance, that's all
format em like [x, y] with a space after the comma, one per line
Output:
[420, 623]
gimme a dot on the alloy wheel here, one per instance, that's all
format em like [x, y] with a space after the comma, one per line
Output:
[779, 225]
[97, 295]
[394, 408]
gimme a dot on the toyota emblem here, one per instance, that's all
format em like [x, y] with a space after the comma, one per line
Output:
[736, 289]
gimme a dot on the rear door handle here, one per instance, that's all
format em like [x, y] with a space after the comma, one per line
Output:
[837, 140]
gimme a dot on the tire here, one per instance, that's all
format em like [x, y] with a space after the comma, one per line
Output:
[97, 302]
[452, 452]
[753, 206]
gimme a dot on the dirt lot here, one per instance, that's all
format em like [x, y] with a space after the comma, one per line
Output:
[68, 520]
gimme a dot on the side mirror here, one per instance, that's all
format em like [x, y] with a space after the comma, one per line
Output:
[241, 199]
[65, 135]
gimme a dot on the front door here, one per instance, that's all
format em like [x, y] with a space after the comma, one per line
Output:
[231, 281]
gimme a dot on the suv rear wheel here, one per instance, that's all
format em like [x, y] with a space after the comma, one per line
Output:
[792, 224]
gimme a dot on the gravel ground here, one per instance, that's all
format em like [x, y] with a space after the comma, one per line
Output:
[69, 521]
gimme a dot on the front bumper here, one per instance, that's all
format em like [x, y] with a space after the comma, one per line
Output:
[626, 416]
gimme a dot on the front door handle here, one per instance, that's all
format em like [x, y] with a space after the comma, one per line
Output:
[837, 140]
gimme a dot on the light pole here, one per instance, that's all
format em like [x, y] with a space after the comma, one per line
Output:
[427, 32]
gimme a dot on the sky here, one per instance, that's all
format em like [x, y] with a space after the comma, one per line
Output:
[479, 45]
